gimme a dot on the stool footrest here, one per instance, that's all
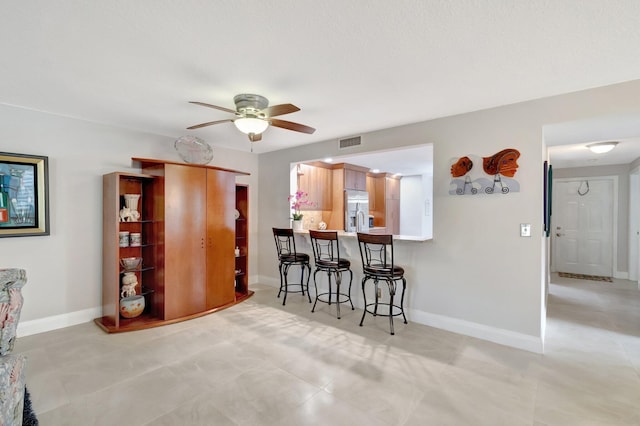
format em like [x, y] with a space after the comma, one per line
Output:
[302, 289]
[387, 310]
[342, 297]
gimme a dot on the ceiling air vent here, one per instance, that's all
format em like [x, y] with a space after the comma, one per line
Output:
[349, 142]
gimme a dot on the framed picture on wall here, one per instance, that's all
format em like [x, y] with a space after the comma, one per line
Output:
[24, 195]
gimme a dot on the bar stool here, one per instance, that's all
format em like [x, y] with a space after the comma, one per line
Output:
[326, 253]
[376, 252]
[288, 257]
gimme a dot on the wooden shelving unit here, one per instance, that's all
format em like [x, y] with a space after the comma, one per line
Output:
[242, 243]
[187, 226]
[115, 185]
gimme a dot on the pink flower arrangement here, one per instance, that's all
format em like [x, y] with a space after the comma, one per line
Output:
[298, 200]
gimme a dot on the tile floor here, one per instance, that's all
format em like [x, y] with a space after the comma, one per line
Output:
[259, 363]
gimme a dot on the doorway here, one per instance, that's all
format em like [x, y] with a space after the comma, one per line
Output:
[583, 225]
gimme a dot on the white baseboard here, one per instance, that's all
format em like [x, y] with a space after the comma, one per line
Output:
[621, 275]
[467, 328]
[492, 334]
[27, 328]
[480, 331]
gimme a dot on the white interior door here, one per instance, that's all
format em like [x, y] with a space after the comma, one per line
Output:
[582, 225]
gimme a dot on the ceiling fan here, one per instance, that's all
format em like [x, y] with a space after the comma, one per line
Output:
[253, 115]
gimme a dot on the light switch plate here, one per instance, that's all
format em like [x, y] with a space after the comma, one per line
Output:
[525, 229]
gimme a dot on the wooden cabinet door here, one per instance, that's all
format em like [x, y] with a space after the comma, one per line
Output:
[307, 183]
[355, 179]
[221, 232]
[393, 216]
[316, 181]
[324, 182]
[371, 190]
[335, 219]
[393, 188]
[304, 177]
[184, 240]
[376, 190]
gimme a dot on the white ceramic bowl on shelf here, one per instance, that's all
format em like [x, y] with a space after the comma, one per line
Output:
[131, 307]
[131, 263]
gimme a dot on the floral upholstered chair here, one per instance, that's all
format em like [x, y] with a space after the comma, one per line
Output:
[12, 376]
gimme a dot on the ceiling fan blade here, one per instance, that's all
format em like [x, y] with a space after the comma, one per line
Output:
[213, 106]
[210, 123]
[255, 138]
[281, 109]
[296, 127]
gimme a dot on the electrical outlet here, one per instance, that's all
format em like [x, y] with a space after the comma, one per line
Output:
[525, 229]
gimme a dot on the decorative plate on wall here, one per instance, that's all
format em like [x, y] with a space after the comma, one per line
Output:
[193, 150]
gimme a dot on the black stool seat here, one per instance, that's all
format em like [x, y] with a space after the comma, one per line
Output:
[339, 264]
[326, 253]
[382, 271]
[294, 258]
[376, 252]
[288, 257]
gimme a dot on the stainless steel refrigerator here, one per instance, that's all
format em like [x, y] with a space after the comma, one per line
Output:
[356, 215]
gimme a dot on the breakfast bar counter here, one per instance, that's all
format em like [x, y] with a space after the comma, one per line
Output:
[354, 235]
[405, 254]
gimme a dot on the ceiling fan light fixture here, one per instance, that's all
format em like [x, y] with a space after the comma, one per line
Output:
[602, 147]
[251, 125]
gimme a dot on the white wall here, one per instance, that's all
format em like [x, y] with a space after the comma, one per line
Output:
[412, 199]
[64, 269]
[477, 276]
[427, 196]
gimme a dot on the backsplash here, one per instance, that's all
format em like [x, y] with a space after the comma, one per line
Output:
[311, 219]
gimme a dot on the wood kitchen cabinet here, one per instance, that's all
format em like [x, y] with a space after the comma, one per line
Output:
[392, 216]
[355, 178]
[392, 204]
[316, 181]
[371, 190]
[190, 230]
[384, 202]
[392, 188]
[344, 176]
[376, 189]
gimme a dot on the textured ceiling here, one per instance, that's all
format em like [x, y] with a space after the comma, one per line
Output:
[351, 66]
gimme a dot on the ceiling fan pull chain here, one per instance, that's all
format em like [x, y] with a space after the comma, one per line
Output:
[580, 193]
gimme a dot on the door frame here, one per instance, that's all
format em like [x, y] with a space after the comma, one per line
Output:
[634, 224]
[614, 220]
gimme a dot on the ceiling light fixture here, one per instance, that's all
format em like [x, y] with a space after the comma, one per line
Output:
[602, 147]
[251, 125]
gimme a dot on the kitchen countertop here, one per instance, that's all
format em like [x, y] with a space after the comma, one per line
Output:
[354, 235]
